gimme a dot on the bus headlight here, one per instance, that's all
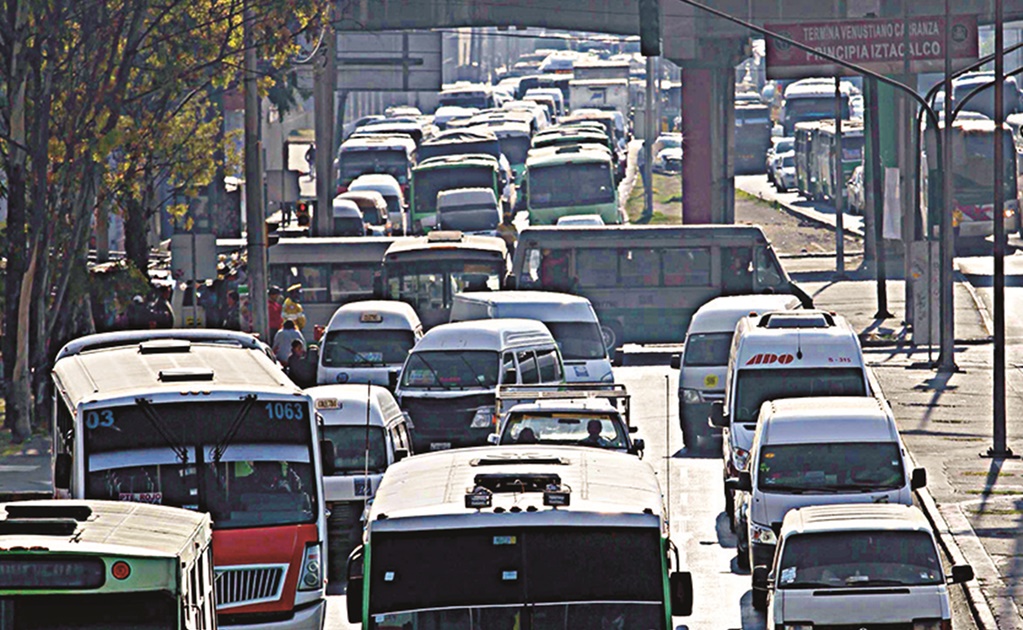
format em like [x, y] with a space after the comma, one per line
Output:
[741, 458]
[485, 418]
[1009, 213]
[692, 396]
[311, 576]
[761, 534]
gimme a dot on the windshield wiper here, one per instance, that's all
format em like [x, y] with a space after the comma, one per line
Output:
[154, 419]
[783, 488]
[861, 487]
[854, 580]
[236, 424]
[436, 376]
[808, 585]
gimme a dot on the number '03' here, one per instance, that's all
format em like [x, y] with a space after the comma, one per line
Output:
[96, 419]
[284, 411]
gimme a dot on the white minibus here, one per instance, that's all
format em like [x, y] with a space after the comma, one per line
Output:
[367, 342]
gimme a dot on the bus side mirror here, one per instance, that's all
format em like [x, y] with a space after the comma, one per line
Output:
[761, 575]
[509, 282]
[676, 361]
[742, 483]
[717, 414]
[62, 471]
[681, 583]
[961, 573]
[918, 479]
[328, 455]
[638, 446]
[400, 454]
[353, 591]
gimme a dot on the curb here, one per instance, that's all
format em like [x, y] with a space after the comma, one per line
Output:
[797, 211]
[979, 607]
[985, 317]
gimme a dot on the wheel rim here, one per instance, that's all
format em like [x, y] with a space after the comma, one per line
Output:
[609, 336]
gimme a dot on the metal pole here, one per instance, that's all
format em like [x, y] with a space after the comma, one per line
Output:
[877, 193]
[946, 358]
[648, 143]
[999, 448]
[324, 78]
[255, 215]
[838, 184]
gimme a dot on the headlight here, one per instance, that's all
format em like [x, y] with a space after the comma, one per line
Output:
[485, 418]
[741, 458]
[691, 396]
[1009, 213]
[608, 378]
[311, 577]
[932, 624]
[761, 534]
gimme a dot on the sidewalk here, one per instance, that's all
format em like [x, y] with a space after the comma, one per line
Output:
[25, 470]
[975, 503]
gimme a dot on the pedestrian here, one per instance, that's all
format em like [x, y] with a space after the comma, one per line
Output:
[161, 313]
[232, 316]
[292, 308]
[137, 313]
[273, 308]
[300, 369]
[283, 340]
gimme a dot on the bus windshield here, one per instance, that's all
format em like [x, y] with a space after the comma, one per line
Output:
[427, 183]
[578, 340]
[754, 386]
[973, 170]
[570, 185]
[248, 465]
[548, 569]
[853, 559]
[357, 448]
[356, 163]
[363, 348]
[834, 466]
[800, 109]
[429, 284]
[450, 369]
[154, 610]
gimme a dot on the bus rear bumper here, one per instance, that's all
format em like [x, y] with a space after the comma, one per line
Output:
[308, 617]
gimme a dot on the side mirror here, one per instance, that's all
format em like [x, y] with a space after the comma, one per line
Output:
[493, 438]
[639, 445]
[717, 414]
[509, 282]
[62, 471]
[918, 479]
[761, 575]
[681, 583]
[328, 454]
[961, 573]
[676, 361]
[745, 481]
[400, 454]
[353, 591]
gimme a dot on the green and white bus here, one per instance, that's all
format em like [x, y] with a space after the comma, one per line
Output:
[105, 565]
[567, 180]
[432, 175]
[518, 537]
[645, 282]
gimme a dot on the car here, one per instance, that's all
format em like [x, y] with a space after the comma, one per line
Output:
[580, 219]
[667, 141]
[778, 146]
[857, 191]
[785, 172]
[669, 160]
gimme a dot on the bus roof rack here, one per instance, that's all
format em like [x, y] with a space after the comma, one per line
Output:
[796, 319]
[39, 526]
[183, 375]
[31, 510]
[445, 236]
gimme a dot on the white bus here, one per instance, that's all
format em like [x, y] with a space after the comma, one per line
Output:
[208, 423]
[518, 537]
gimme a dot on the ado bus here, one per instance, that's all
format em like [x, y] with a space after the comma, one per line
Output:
[516, 537]
[208, 423]
[105, 565]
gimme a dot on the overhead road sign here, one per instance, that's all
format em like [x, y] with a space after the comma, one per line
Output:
[389, 61]
[878, 44]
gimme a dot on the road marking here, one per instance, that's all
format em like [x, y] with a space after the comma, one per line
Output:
[16, 468]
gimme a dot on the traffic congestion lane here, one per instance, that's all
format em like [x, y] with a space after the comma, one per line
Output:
[698, 524]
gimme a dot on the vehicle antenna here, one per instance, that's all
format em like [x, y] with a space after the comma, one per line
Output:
[365, 470]
[667, 434]
[799, 345]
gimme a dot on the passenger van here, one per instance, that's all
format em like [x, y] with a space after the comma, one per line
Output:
[570, 318]
[783, 354]
[367, 342]
[374, 210]
[853, 566]
[369, 433]
[816, 451]
[346, 218]
[704, 359]
[449, 382]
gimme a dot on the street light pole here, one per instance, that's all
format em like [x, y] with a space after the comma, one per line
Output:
[946, 356]
[838, 182]
[255, 214]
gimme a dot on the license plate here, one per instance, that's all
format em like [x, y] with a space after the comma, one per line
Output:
[440, 446]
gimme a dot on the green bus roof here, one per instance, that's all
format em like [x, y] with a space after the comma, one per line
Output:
[456, 161]
[571, 154]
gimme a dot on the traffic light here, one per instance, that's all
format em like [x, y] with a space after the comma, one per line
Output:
[650, 27]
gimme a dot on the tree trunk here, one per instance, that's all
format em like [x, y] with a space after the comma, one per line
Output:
[136, 234]
[19, 398]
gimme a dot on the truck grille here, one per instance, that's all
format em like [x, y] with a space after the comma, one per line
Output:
[249, 584]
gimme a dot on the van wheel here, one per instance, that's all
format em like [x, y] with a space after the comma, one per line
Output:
[612, 335]
[730, 510]
[759, 599]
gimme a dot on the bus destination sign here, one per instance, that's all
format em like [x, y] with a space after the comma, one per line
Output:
[40, 573]
[879, 44]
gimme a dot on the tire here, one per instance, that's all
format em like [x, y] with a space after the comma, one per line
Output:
[344, 530]
[759, 599]
[730, 510]
[612, 334]
[741, 550]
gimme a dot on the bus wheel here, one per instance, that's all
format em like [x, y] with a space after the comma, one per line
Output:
[612, 334]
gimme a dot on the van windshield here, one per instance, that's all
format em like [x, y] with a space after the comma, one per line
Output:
[450, 369]
[858, 559]
[357, 448]
[754, 386]
[708, 349]
[578, 341]
[831, 467]
[362, 348]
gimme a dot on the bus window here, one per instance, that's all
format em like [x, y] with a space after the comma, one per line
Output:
[554, 270]
[527, 367]
[597, 267]
[736, 268]
[349, 281]
[686, 267]
[313, 278]
[640, 267]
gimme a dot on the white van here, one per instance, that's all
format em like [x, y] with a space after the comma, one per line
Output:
[704, 359]
[817, 451]
[369, 433]
[346, 218]
[859, 566]
[782, 354]
[468, 210]
[570, 319]
[367, 342]
[449, 383]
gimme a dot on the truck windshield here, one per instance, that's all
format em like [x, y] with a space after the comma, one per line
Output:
[707, 349]
[156, 610]
[571, 185]
[578, 341]
[357, 448]
[857, 559]
[754, 386]
[364, 348]
[837, 466]
[450, 369]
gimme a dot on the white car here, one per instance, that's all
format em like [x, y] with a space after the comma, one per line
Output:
[580, 219]
[785, 172]
[669, 160]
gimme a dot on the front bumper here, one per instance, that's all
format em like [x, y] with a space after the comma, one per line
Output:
[311, 616]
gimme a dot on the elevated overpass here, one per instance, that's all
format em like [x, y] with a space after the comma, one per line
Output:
[706, 47]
